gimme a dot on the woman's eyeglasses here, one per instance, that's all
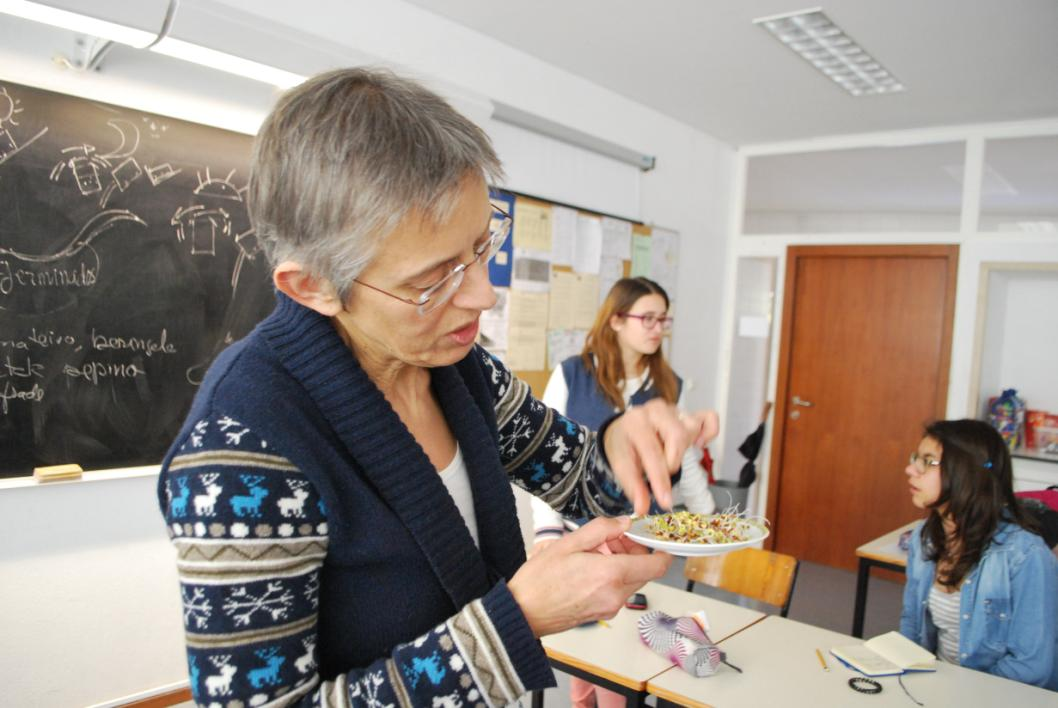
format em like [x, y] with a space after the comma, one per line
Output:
[442, 291]
[650, 320]
[923, 463]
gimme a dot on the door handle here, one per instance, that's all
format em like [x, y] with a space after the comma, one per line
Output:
[798, 401]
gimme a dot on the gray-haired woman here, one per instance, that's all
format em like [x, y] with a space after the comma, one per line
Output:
[352, 534]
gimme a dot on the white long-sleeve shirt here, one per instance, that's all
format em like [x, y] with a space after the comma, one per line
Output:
[693, 485]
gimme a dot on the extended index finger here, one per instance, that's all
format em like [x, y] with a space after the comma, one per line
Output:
[627, 470]
[644, 440]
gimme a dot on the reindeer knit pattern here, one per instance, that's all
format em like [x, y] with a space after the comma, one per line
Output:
[322, 561]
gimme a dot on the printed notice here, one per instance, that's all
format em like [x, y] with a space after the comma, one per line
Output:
[664, 257]
[616, 238]
[563, 235]
[574, 300]
[527, 331]
[532, 226]
[640, 256]
[587, 253]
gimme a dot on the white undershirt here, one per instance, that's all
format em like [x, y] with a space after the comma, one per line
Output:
[944, 608]
[457, 481]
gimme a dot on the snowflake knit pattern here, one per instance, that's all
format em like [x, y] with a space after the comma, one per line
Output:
[255, 537]
[251, 533]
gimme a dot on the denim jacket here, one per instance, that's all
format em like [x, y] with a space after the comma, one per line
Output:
[1008, 603]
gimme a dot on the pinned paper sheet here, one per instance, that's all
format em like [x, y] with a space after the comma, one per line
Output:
[753, 327]
[563, 235]
[640, 256]
[574, 300]
[664, 257]
[527, 331]
[532, 271]
[532, 226]
[587, 252]
[616, 238]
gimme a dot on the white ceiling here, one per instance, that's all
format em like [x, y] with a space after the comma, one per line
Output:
[703, 62]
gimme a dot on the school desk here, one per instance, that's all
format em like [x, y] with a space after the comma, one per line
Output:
[780, 667]
[613, 656]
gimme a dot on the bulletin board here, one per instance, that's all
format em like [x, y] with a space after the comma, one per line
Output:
[553, 273]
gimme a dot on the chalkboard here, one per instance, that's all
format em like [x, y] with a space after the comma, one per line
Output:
[127, 262]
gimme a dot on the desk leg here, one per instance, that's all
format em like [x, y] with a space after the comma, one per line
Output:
[538, 699]
[862, 578]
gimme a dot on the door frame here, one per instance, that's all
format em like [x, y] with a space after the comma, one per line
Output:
[794, 254]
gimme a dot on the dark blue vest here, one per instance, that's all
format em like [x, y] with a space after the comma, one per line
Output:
[587, 404]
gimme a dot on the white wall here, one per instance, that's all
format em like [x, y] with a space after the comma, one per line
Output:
[688, 191]
[91, 608]
[88, 592]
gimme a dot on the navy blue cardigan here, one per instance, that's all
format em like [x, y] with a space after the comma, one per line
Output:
[318, 547]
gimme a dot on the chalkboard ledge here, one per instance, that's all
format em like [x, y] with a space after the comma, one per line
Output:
[86, 477]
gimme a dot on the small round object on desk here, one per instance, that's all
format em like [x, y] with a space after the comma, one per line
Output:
[864, 685]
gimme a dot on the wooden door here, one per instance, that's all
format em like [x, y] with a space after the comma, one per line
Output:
[864, 356]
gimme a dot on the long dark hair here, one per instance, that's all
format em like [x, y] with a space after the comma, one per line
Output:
[976, 492]
[602, 353]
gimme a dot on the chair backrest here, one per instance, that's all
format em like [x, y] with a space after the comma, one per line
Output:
[767, 576]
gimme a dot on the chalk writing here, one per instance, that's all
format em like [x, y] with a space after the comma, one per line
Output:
[10, 392]
[50, 338]
[127, 262]
[43, 340]
[149, 347]
[21, 369]
[93, 371]
[48, 278]
[19, 364]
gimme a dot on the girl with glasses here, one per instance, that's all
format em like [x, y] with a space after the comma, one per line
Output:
[622, 365]
[340, 494]
[982, 587]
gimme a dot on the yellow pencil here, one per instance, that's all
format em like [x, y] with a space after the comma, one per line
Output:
[822, 661]
[604, 623]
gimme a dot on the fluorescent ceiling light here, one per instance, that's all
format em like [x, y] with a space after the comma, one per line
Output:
[155, 41]
[76, 22]
[227, 62]
[825, 46]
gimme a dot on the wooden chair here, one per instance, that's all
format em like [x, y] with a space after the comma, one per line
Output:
[762, 575]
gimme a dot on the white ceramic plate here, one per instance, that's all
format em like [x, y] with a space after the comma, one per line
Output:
[641, 534]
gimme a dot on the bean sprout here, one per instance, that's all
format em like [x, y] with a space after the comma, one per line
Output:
[688, 527]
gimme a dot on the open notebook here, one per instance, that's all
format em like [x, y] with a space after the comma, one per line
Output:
[886, 654]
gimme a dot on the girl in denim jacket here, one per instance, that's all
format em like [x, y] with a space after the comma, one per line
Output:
[982, 587]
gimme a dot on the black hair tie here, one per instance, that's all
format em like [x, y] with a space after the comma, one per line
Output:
[864, 685]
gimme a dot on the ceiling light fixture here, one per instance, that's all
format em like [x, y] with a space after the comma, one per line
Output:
[831, 51]
[163, 41]
[77, 22]
[230, 63]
